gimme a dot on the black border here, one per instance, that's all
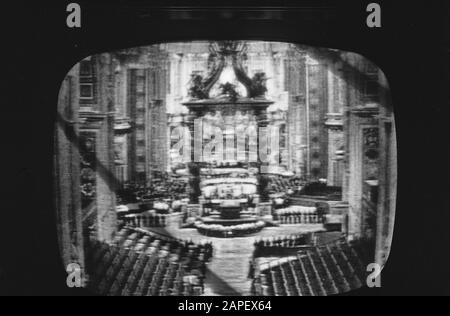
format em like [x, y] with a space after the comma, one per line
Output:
[410, 48]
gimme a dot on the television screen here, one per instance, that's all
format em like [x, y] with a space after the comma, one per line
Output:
[225, 168]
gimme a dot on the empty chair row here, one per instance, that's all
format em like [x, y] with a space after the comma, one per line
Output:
[324, 270]
[136, 263]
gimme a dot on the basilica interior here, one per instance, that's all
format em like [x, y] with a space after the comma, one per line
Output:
[225, 168]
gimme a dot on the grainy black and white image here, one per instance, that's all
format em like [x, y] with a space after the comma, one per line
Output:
[225, 168]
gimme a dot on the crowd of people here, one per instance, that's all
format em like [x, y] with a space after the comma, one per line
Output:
[166, 188]
[279, 184]
[281, 246]
[236, 192]
[290, 241]
[320, 188]
[142, 205]
[296, 214]
[143, 263]
[147, 219]
[221, 231]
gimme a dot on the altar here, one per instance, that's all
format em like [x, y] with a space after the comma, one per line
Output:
[230, 209]
[227, 111]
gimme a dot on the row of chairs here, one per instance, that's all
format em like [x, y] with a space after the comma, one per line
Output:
[146, 220]
[137, 263]
[324, 270]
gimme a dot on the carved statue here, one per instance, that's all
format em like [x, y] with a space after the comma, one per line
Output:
[229, 90]
[197, 87]
[258, 87]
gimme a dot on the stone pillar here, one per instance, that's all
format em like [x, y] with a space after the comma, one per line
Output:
[106, 180]
[229, 135]
[348, 101]
[361, 119]
[335, 146]
[193, 165]
[67, 174]
[334, 122]
[296, 83]
[262, 122]
[122, 122]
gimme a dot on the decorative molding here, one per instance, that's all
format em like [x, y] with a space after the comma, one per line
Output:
[224, 104]
[334, 122]
[91, 119]
[368, 110]
[122, 126]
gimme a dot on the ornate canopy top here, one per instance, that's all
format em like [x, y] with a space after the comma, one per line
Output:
[225, 62]
[243, 104]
